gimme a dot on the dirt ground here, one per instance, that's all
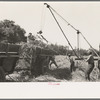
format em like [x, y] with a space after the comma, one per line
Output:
[60, 74]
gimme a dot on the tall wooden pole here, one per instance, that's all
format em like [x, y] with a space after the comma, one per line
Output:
[78, 43]
[99, 49]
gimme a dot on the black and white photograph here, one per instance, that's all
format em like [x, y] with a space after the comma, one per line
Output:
[49, 42]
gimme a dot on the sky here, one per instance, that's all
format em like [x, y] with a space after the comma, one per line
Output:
[35, 16]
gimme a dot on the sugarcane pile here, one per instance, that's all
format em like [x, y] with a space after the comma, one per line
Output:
[33, 58]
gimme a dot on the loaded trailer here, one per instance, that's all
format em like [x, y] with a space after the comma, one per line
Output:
[10, 54]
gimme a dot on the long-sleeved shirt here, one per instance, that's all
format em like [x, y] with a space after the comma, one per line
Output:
[90, 59]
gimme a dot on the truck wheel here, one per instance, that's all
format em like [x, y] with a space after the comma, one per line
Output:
[2, 75]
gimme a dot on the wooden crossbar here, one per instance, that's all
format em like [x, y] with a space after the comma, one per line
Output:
[85, 58]
[9, 52]
[5, 56]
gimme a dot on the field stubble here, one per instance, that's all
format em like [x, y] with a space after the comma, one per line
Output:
[61, 74]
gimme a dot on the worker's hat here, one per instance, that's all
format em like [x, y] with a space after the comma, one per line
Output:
[89, 52]
[69, 54]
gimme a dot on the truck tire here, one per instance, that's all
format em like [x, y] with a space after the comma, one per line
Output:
[2, 75]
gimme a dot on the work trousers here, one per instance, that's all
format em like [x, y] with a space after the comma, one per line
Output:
[91, 66]
[72, 66]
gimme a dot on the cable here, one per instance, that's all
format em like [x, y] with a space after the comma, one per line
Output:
[61, 29]
[62, 18]
[48, 6]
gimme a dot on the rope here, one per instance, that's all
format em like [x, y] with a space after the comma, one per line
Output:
[42, 19]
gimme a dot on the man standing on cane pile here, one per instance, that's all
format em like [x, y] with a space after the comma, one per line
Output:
[90, 61]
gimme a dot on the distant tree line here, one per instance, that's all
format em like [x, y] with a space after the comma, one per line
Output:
[12, 33]
[62, 50]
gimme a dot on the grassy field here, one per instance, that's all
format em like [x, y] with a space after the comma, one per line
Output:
[61, 74]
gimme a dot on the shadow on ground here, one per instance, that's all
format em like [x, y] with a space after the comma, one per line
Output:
[60, 73]
[51, 75]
